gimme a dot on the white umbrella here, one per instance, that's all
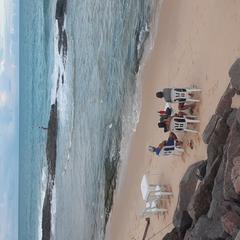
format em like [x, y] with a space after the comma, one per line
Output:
[145, 188]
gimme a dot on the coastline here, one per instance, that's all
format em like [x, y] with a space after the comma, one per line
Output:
[47, 222]
[186, 52]
[113, 167]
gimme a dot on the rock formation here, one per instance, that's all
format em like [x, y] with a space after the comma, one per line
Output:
[212, 210]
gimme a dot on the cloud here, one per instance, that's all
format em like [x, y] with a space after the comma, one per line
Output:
[3, 99]
[8, 120]
[6, 230]
[2, 66]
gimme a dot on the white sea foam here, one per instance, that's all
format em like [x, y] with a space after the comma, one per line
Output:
[58, 69]
[43, 192]
[53, 213]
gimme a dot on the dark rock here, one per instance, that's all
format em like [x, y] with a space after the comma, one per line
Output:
[231, 206]
[206, 229]
[217, 141]
[181, 218]
[225, 103]
[231, 223]
[222, 111]
[111, 163]
[238, 116]
[231, 117]
[60, 9]
[210, 128]
[201, 171]
[51, 147]
[235, 174]
[217, 193]
[173, 235]
[51, 151]
[234, 74]
[233, 150]
[200, 202]
[46, 214]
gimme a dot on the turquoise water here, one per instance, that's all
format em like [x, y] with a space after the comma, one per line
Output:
[97, 108]
[35, 87]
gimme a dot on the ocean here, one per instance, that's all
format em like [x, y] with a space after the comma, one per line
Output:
[79, 105]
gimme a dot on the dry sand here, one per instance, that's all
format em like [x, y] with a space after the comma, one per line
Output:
[196, 42]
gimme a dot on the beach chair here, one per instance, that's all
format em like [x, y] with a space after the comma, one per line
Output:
[152, 192]
[171, 150]
[160, 193]
[153, 209]
[180, 124]
[177, 95]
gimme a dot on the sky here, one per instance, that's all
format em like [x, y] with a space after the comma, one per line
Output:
[9, 119]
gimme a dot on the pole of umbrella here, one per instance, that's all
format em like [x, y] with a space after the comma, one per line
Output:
[146, 228]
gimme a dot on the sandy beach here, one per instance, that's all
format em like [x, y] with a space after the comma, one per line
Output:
[195, 44]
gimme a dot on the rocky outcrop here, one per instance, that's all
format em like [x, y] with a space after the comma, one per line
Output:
[51, 151]
[210, 128]
[173, 235]
[201, 199]
[233, 151]
[222, 111]
[231, 223]
[51, 148]
[206, 229]
[61, 8]
[214, 206]
[234, 74]
[235, 174]
[181, 219]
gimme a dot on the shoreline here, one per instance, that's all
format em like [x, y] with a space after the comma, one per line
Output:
[186, 52]
[113, 168]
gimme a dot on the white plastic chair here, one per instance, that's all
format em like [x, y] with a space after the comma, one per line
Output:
[157, 192]
[160, 192]
[152, 209]
[177, 95]
[180, 124]
[167, 151]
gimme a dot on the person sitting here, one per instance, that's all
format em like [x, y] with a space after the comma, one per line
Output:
[184, 106]
[167, 93]
[170, 143]
[167, 112]
[165, 122]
